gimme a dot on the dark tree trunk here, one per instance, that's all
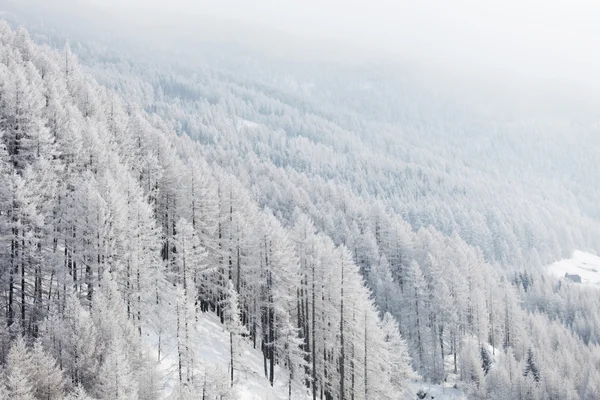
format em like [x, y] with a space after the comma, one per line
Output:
[342, 349]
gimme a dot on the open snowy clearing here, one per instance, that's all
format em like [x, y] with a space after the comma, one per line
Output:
[582, 264]
[443, 391]
[213, 350]
[431, 391]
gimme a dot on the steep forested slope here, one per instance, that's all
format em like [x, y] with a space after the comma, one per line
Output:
[449, 241]
[297, 184]
[504, 184]
[110, 234]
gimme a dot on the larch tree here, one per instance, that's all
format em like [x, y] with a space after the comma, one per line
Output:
[71, 337]
[400, 370]
[189, 265]
[19, 363]
[233, 322]
[46, 378]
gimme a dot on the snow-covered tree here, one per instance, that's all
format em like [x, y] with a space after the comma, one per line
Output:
[399, 357]
[116, 379]
[233, 322]
[46, 378]
[19, 363]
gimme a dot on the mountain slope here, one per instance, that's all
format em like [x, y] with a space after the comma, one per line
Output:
[113, 228]
[137, 207]
[213, 349]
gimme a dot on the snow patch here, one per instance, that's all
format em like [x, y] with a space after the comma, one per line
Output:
[584, 265]
[213, 350]
[241, 124]
[430, 391]
[443, 391]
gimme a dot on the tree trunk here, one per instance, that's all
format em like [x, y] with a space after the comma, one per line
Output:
[231, 355]
[342, 350]
[314, 351]
[179, 363]
[23, 284]
[14, 247]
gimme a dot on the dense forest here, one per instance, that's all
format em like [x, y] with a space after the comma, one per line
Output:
[326, 217]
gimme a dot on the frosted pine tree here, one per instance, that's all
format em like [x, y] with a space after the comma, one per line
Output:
[116, 379]
[399, 360]
[47, 379]
[189, 263]
[72, 339]
[19, 363]
[232, 316]
[78, 394]
[531, 368]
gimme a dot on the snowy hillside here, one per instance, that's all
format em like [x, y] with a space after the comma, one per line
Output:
[212, 347]
[167, 219]
[250, 381]
[584, 265]
[152, 237]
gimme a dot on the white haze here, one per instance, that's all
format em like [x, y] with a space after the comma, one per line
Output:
[547, 39]
[533, 56]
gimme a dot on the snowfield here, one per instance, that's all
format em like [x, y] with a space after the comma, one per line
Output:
[444, 391]
[585, 265]
[250, 380]
[435, 392]
[213, 350]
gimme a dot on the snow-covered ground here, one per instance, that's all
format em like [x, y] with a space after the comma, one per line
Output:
[244, 123]
[213, 351]
[443, 391]
[250, 381]
[585, 265]
[437, 392]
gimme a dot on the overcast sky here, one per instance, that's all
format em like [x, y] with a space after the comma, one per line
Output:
[550, 39]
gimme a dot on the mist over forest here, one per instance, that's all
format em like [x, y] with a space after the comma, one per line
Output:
[346, 200]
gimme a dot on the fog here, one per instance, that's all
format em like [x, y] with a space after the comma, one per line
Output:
[550, 39]
[546, 40]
